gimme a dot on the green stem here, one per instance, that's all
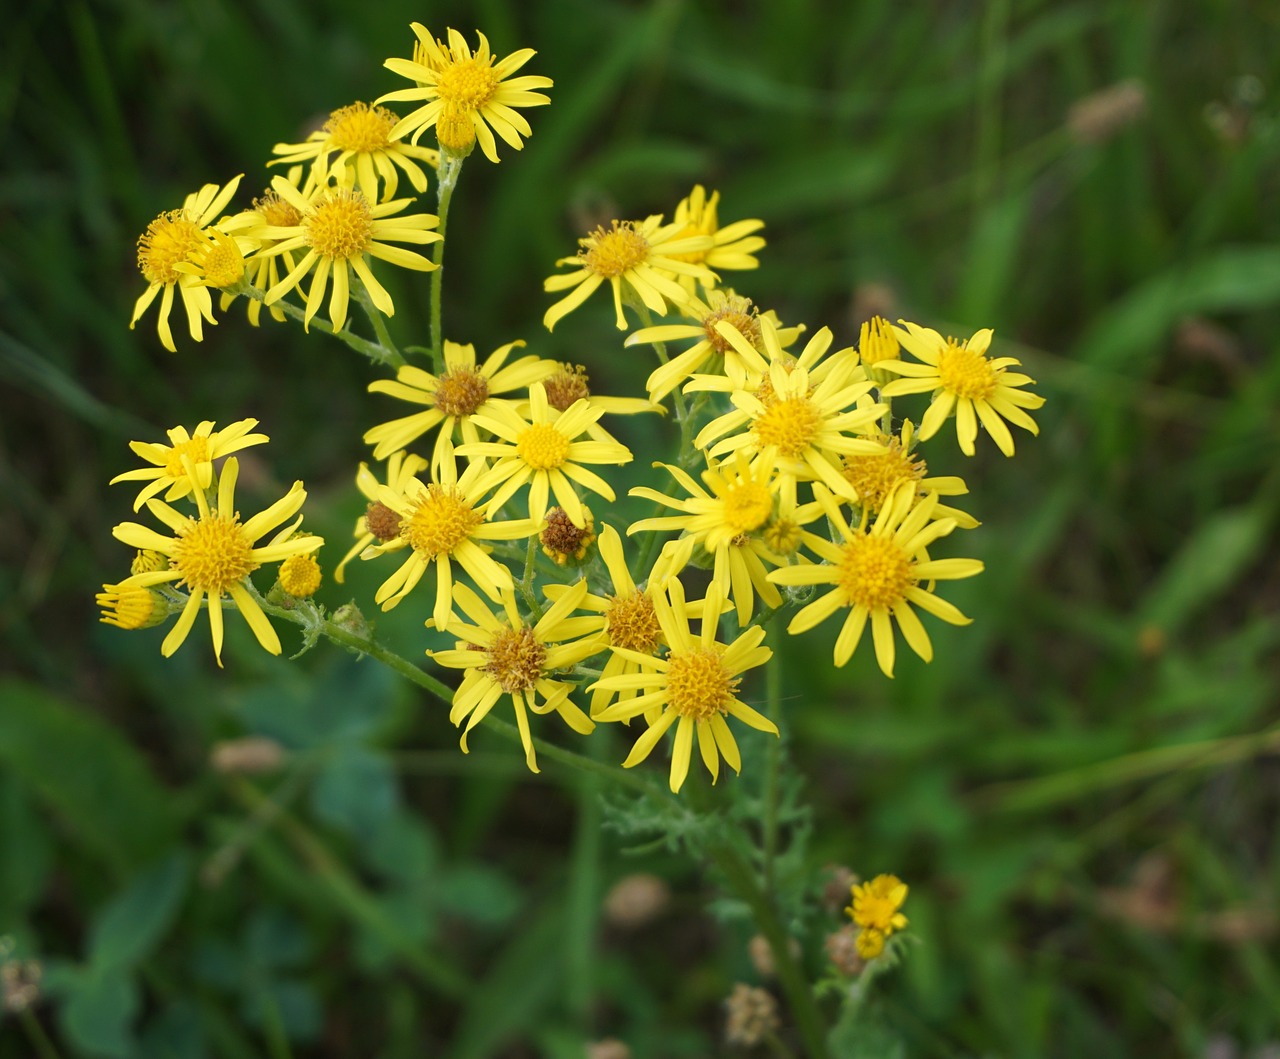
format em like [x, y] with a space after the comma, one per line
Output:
[446, 181]
[796, 988]
[393, 355]
[36, 1035]
[584, 898]
[372, 350]
[773, 757]
[310, 620]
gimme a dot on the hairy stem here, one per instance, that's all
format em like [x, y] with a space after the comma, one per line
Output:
[446, 181]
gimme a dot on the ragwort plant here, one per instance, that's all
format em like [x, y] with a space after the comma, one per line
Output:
[798, 484]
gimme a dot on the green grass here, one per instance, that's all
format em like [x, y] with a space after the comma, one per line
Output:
[1081, 789]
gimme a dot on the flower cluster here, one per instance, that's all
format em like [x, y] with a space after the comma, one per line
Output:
[797, 484]
[876, 910]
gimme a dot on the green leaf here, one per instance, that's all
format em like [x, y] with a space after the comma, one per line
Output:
[97, 1017]
[356, 789]
[100, 788]
[135, 921]
[26, 852]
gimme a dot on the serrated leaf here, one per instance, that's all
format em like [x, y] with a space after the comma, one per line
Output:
[135, 921]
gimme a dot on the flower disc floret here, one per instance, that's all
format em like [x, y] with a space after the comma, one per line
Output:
[740, 314]
[874, 477]
[611, 253]
[469, 84]
[360, 127]
[340, 225]
[213, 553]
[748, 503]
[171, 239]
[441, 520]
[789, 425]
[698, 684]
[460, 392]
[300, 576]
[965, 372]
[382, 522]
[543, 447]
[632, 622]
[874, 573]
[515, 659]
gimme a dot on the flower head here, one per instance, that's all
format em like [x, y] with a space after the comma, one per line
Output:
[879, 574]
[199, 449]
[337, 227]
[502, 654]
[965, 381]
[355, 147]
[212, 555]
[696, 685]
[129, 606]
[732, 247]
[461, 89]
[380, 522]
[440, 523]
[545, 452]
[563, 542]
[452, 398]
[172, 254]
[642, 254]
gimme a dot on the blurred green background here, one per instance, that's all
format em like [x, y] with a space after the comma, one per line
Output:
[1082, 788]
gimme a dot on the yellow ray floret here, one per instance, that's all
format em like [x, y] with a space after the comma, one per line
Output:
[732, 247]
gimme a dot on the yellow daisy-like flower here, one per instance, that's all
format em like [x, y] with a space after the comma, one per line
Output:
[543, 451]
[263, 268]
[712, 349]
[300, 576]
[214, 554]
[128, 606]
[571, 383]
[876, 909]
[453, 397]
[338, 227]
[462, 88]
[725, 519]
[442, 523]
[874, 477]
[627, 617]
[504, 655]
[379, 522]
[808, 423]
[878, 573]
[696, 685]
[641, 254]
[199, 450]
[181, 238]
[360, 135]
[966, 382]
[732, 247]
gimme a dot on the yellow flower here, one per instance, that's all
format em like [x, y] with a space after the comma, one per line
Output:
[570, 383]
[300, 576]
[338, 227]
[877, 573]
[129, 606]
[214, 554]
[726, 519]
[360, 134]
[263, 268]
[544, 452]
[643, 254]
[170, 461]
[172, 241]
[877, 342]
[462, 87]
[696, 685]
[504, 655]
[379, 522]
[876, 905]
[732, 247]
[966, 381]
[442, 523]
[453, 397]
[874, 477]
[627, 617]
[869, 943]
[807, 422]
[712, 349]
